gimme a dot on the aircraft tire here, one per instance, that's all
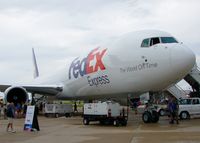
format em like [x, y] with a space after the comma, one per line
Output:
[155, 117]
[146, 117]
[161, 112]
[56, 115]
[116, 123]
[184, 115]
[86, 121]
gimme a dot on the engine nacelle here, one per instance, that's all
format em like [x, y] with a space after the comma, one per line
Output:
[16, 95]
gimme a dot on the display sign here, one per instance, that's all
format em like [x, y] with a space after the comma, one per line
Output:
[29, 118]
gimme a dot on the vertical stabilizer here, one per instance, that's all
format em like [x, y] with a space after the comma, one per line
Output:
[36, 72]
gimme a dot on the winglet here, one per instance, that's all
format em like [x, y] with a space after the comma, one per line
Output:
[36, 72]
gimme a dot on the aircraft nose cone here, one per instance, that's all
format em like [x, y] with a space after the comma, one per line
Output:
[182, 59]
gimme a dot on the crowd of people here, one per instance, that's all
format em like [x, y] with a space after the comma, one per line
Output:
[20, 110]
[10, 111]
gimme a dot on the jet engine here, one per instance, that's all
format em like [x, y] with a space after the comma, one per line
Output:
[16, 95]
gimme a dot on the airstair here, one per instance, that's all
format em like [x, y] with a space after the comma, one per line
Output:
[177, 91]
[193, 78]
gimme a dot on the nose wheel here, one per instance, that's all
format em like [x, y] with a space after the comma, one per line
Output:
[151, 116]
[146, 117]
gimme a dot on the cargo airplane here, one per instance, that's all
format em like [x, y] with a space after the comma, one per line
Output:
[134, 63]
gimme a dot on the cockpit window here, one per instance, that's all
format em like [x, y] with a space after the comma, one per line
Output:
[154, 41]
[145, 43]
[168, 40]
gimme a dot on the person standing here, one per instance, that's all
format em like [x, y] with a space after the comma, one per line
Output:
[10, 116]
[171, 111]
[135, 106]
[176, 110]
[35, 125]
[75, 107]
[5, 111]
[18, 108]
[24, 110]
[173, 107]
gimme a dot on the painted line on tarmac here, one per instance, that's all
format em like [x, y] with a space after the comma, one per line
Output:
[136, 138]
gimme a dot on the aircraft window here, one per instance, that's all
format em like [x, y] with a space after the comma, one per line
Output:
[168, 40]
[154, 41]
[145, 43]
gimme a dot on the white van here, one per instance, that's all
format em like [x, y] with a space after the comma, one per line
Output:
[189, 107]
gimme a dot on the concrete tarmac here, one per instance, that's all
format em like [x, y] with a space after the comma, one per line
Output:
[71, 130]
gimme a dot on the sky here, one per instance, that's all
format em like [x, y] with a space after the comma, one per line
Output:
[61, 30]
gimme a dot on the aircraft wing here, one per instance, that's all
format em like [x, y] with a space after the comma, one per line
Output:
[4, 87]
[40, 89]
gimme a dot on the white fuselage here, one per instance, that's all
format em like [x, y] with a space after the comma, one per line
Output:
[124, 67]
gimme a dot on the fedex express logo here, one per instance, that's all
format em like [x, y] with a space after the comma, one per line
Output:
[90, 64]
